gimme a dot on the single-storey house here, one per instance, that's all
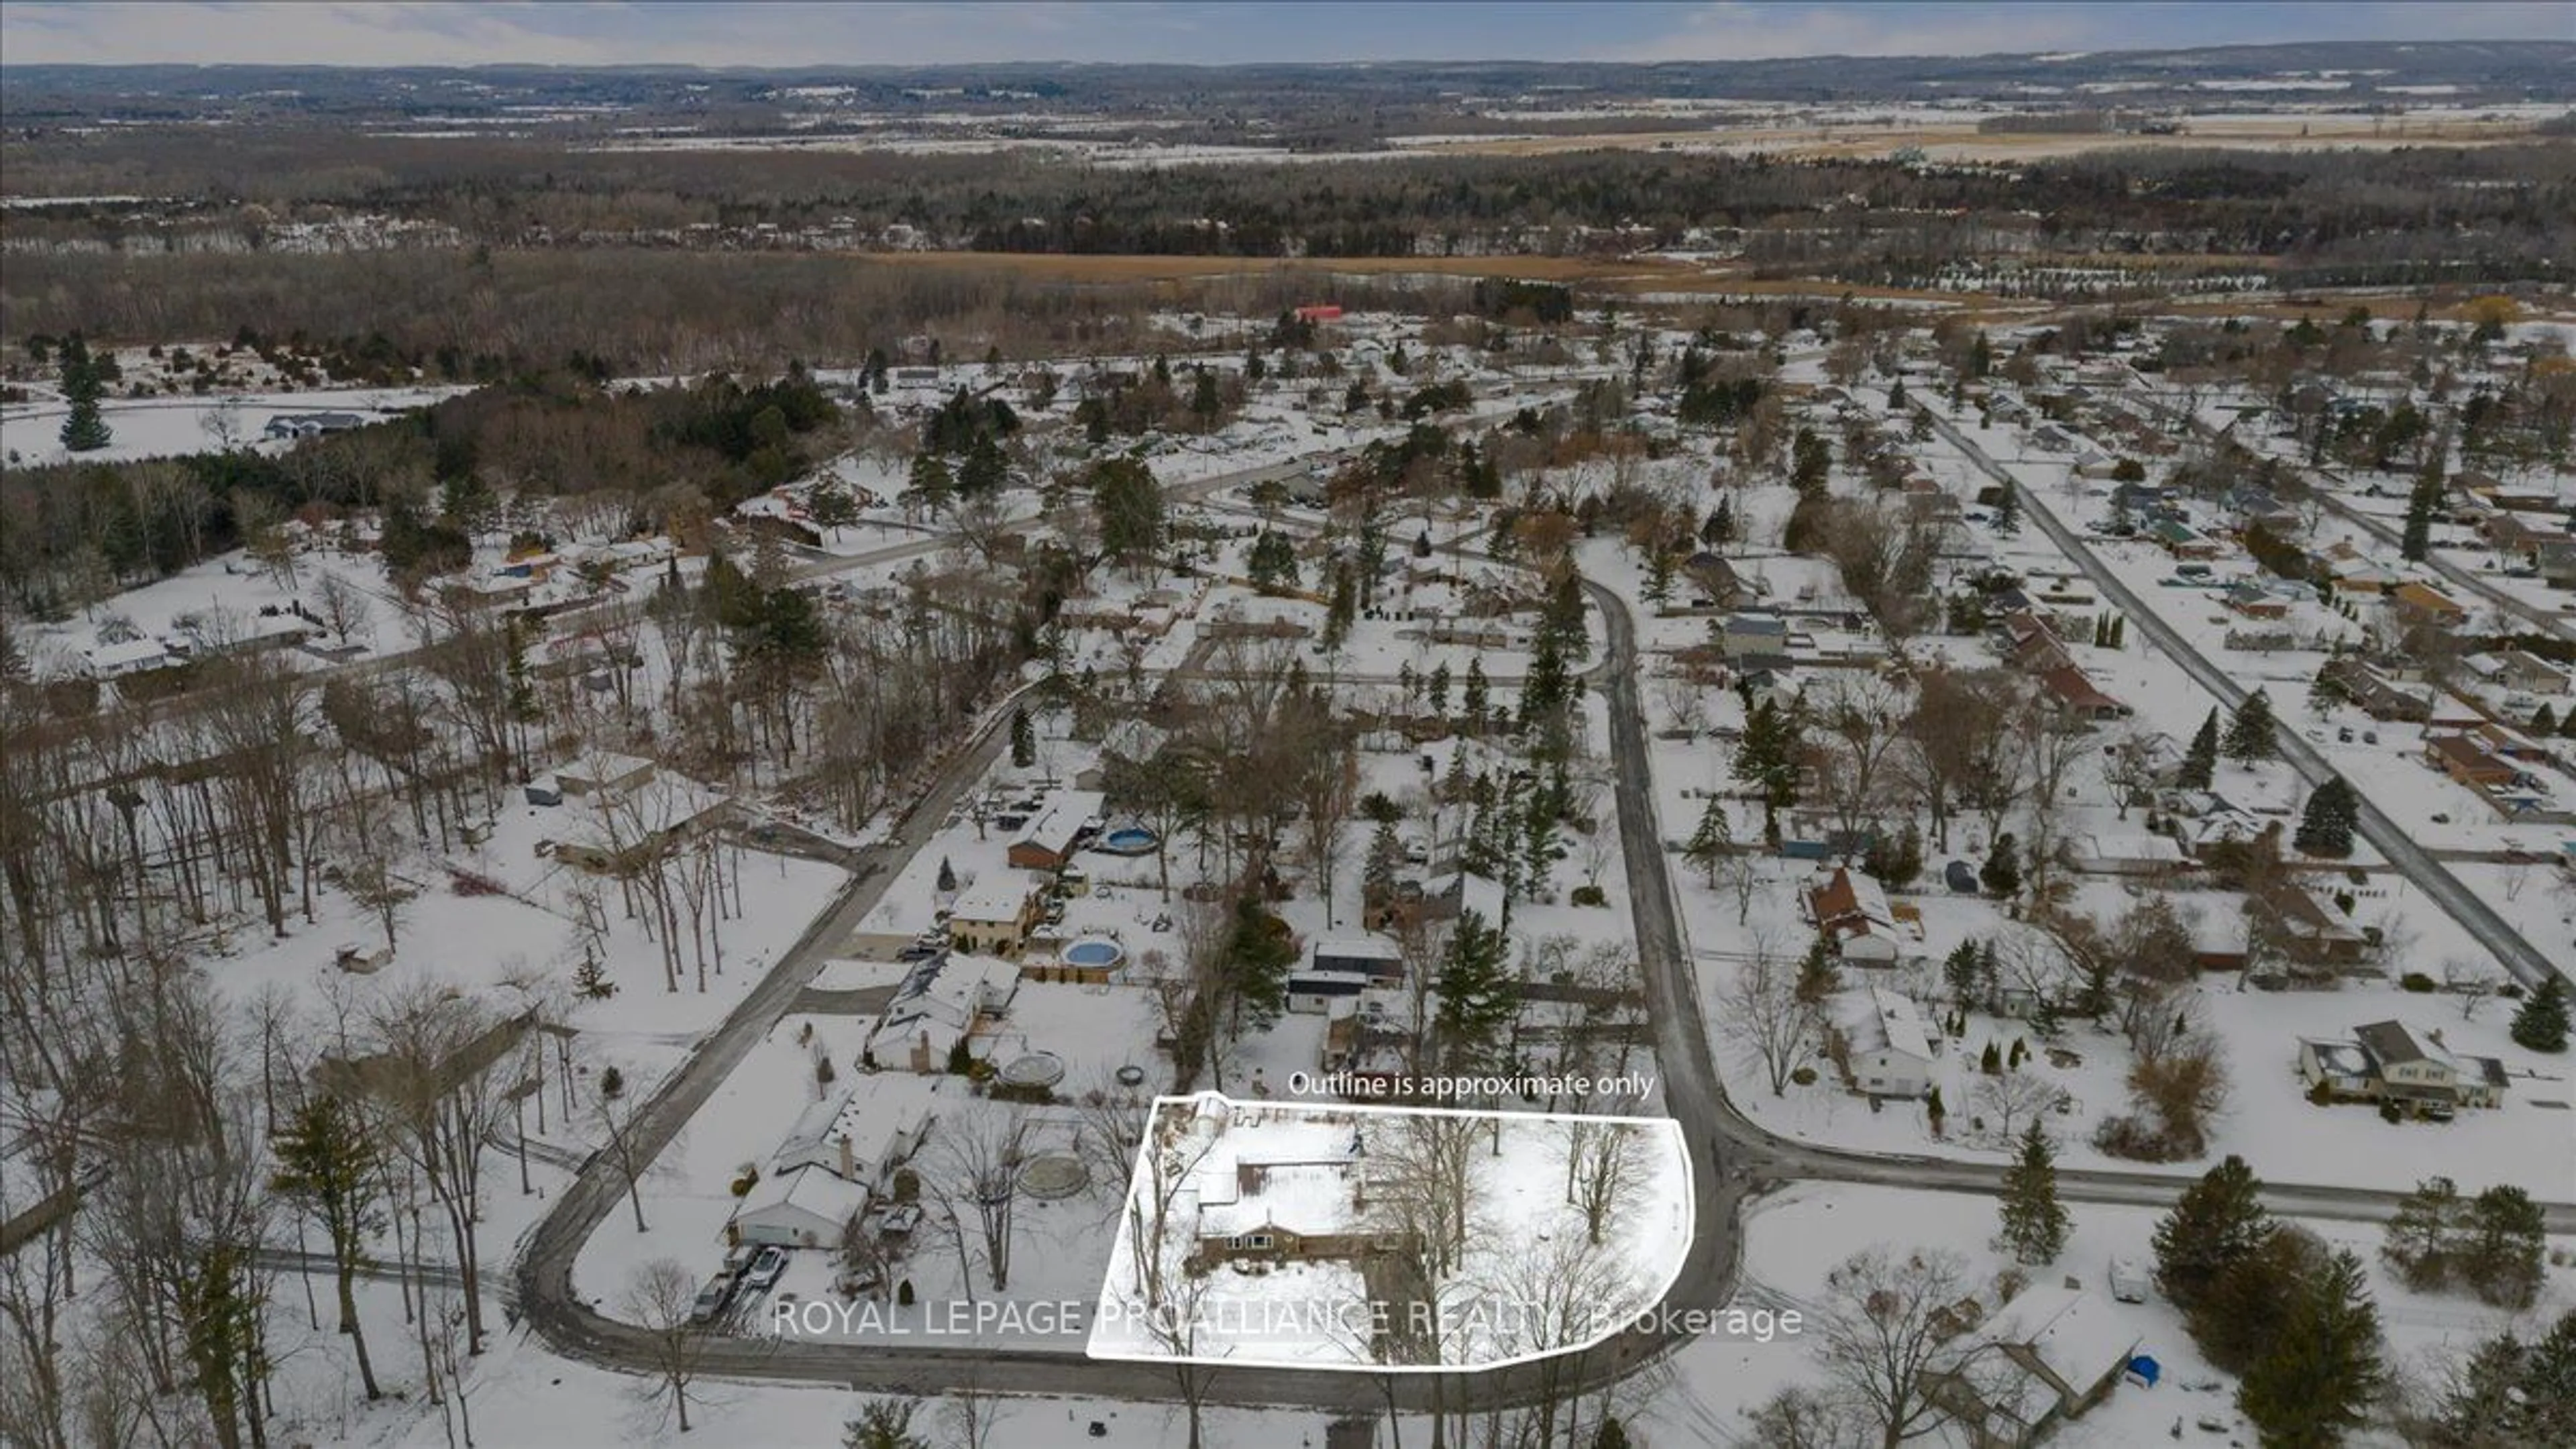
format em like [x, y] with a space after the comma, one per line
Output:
[861, 1133]
[2469, 761]
[2131, 853]
[810, 1207]
[1057, 830]
[2047, 1356]
[938, 1006]
[1888, 1048]
[1373, 957]
[2421, 602]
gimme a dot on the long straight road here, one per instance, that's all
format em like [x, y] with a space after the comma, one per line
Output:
[2479, 919]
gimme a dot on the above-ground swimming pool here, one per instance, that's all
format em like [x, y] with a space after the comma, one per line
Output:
[1094, 951]
[1127, 840]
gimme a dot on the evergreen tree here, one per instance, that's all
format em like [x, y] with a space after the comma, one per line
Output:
[1959, 973]
[947, 882]
[2486, 1404]
[2548, 1383]
[1130, 504]
[1472, 703]
[2416, 1244]
[2323, 1371]
[1272, 565]
[1259, 953]
[1818, 975]
[1342, 610]
[930, 482]
[327, 1163]
[1610, 1435]
[590, 980]
[1768, 759]
[2001, 874]
[2326, 827]
[2200, 761]
[2008, 510]
[1438, 689]
[1385, 857]
[1478, 995]
[1719, 530]
[2417, 540]
[2541, 1024]
[883, 1424]
[2035, 1222]
[2544, 723]
[2501, 1241]
[1024, 739]
[85, 430]
[986, 470]
[2249, 731]
[2218, 1221]
[1711, 840]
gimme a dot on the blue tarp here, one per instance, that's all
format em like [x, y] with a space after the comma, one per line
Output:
[2147, 1370]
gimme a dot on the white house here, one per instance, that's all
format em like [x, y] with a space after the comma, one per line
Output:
[1889, 1047]
[862, 1133]
[939, 1006]
[1851, 909]
[807, 1208]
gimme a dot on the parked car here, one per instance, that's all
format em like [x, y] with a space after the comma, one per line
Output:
[711, 1300]
[2129, 1280]
[763, 1274]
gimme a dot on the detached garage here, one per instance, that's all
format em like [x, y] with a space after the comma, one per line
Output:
[806, 1208]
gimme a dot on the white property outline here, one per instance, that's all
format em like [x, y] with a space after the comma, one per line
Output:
[1668, 1127]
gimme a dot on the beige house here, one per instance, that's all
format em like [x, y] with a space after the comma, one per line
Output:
[993, 916]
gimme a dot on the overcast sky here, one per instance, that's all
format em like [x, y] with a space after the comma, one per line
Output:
[414, 32]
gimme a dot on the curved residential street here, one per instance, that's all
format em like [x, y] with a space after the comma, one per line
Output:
[1733, 1159]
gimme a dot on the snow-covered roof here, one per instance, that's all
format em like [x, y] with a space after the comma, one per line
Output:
[1060, 819]
[808, 1193]
[995, 896]
[877, 1116]
[2073, 1336]
[1889, 1021]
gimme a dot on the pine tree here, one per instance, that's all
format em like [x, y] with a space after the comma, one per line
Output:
[2035, 1222]
[2218, 1221]
[1818, 975]
[590, 980]
[1385, 855]
[2417, 1241]
[2548, 1383]
[2317, 1382]
[2200, 761]
[2541, 1024]
[1478, 995]
[2008, 510]
[1991, 1061]
[85, 430]
[1719, 530]
[883, 1424]
[1438, 689]
[947, 883]
[2249, 731]
[1259, 953]
[1472, 703]
[2500, 1246]
[326, 1164]
[2485, 1404]
[1711, 841]
[1959, 973]
[2001, 874]
[1611, 1435]
[2417, 540]
[930, 480]
[2544, 723]
[2326, 827]
[1024, 739]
